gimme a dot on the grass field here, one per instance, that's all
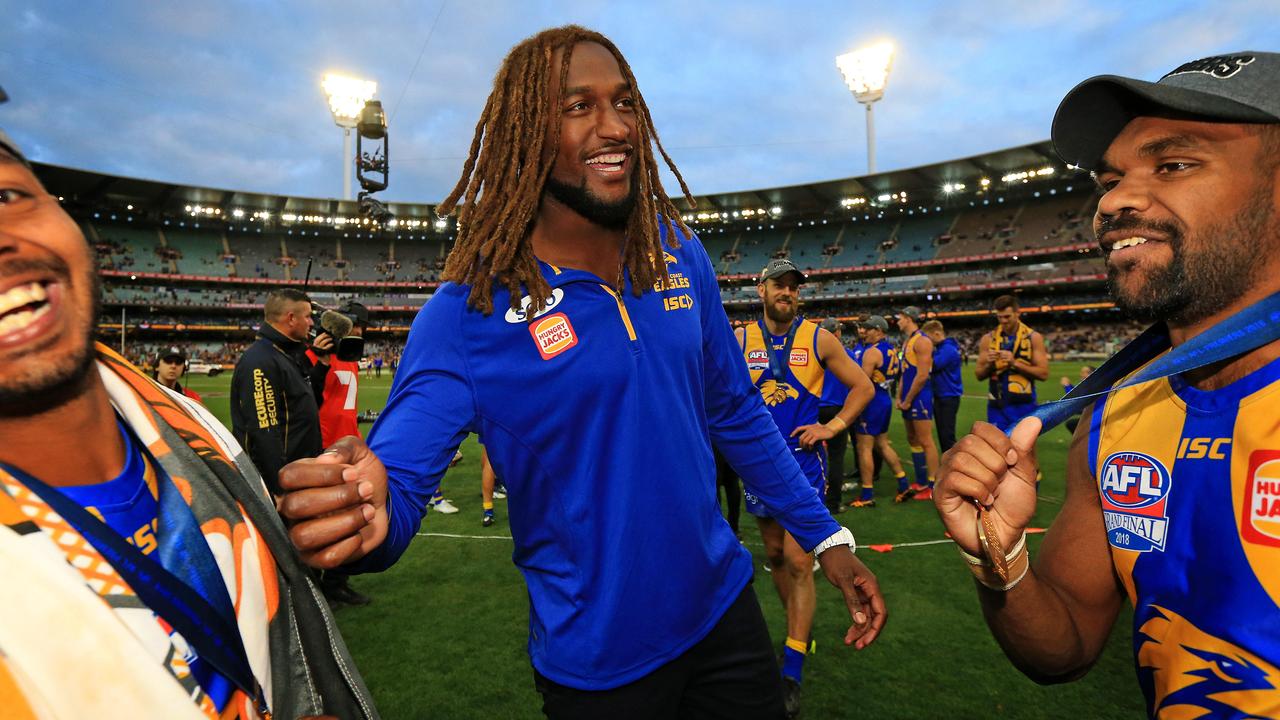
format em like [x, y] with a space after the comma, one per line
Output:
[445, 635]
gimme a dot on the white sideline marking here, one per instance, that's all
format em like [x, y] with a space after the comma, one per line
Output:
[756, 544]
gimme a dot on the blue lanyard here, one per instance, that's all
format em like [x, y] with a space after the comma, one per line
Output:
[1248, 329]
[776, 366]
[208, 625]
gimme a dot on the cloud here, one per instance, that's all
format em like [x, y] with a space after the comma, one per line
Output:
[745, 94]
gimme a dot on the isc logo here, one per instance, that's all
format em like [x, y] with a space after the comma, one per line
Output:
[1197, 448]
[679, 302]
[1134, 480]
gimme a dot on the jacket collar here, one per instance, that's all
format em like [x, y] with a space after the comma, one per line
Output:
[287, 344]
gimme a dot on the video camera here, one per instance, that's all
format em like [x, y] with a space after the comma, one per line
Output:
[339, 323]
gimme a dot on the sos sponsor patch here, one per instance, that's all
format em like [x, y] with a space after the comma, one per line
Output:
[553, 335]
[1260, 521]
[515, 317]
[758, 360]
[1135, 491]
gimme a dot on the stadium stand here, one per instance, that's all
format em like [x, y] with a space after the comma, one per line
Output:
[197, 252]
[866, 248]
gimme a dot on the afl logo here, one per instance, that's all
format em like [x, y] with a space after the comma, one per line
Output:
[1135, 493]
[516, 317]
[1133, 480]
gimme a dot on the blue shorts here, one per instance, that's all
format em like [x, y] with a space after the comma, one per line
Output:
[921, 407]
[1009, 415]
[814, 465]
[874, 419]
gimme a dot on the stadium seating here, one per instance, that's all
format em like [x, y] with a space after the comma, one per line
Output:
[365, 258]
[256, 256]
[199, 252]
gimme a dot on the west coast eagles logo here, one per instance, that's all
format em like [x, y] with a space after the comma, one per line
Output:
[1194, 674]
[776, 393]
[1135, 489]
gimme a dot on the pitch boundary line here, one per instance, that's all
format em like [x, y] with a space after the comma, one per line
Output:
[861, 545]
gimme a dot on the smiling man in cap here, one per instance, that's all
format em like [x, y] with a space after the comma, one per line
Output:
[791, 360]
[1172, 496]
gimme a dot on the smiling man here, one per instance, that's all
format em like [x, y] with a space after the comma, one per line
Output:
[1171, 484]
[791, 360]
[582, 337]
[145, 572]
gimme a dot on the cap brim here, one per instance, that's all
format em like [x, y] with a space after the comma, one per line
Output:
[1096, 110]
[771, 276]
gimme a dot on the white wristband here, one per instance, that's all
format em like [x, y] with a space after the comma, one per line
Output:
[844, 537]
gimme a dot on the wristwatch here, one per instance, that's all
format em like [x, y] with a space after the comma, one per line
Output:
[844, 537]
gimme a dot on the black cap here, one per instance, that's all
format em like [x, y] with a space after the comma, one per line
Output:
[358, 313]
[912, 312]
[1241, 87]
[10, 147]
[778, 267]
[831, 325]
[877, 322]
[174, 353]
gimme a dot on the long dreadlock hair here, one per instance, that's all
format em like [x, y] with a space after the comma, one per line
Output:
[507, 168]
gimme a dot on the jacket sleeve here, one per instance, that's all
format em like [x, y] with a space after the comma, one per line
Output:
[429, 412]
[945, 358]
[259, 400]
[742, 429]
[319, 371]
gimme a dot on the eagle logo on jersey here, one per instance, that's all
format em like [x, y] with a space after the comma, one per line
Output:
[776, 393]
[1195, 674]
[1135, 491]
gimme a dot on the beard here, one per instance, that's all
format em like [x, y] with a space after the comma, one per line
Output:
[1216, 268]
[610, 215]
[782, 317]
[64, 377]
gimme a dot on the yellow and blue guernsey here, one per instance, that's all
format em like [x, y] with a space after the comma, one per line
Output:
[874, 419]
[599, 414]
[792, 399]
[922, 405]
[1011, 394]
[1189, 482]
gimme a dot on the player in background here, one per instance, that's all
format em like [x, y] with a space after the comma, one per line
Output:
[1011, 358]
[834, 393]
[915, 400]
[790, 359]
[948, 383]
[871, 431]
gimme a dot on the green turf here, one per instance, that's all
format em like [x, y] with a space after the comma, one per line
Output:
[445, 635]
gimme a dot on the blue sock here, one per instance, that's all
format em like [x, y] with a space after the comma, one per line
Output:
[902, 482]
[868, 493]
[921, 468]
[793, 659]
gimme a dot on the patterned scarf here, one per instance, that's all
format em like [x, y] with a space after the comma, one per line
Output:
[50, 571]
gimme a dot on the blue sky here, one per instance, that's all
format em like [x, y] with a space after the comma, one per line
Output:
[744, 94]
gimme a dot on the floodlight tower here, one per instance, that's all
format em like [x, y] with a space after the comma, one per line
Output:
[347, 96]
[866, 72]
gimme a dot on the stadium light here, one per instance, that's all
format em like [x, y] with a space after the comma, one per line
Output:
[347, 96]
[866, 72]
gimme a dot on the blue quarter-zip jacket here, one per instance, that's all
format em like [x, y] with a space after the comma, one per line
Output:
[599, 416]
[946, 378]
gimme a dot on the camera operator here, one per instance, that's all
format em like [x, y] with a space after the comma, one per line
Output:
[335, 383]
[169, 369]
[274, 414]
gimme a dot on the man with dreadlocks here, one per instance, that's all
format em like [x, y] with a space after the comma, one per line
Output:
[573, 280]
